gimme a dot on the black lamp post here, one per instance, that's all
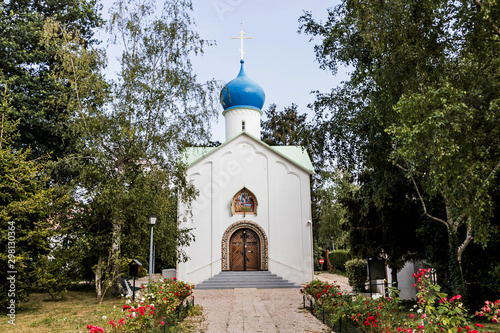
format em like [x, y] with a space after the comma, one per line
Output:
[152, 221]
[333, 246]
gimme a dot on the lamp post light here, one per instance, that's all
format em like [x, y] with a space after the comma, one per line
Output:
[152, 221]
[333, 245]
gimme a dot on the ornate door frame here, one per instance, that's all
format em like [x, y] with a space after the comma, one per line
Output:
[244, 252]
[226, 238]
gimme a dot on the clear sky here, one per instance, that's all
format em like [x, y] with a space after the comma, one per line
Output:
[277, 57]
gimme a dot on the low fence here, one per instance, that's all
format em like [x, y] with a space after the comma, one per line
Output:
[340, 326]
[367, 289]
[175, 317]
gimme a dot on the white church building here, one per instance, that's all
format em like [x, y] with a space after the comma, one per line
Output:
[253, 209]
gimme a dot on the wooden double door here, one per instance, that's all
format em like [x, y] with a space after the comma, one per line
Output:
[244, 251]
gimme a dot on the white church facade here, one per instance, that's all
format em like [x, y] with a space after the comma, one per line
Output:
[253, 209]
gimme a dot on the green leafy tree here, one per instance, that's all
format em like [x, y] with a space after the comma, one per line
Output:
[285, 128]
[26, 214]
[288, 127]
[333, 216]
[379, 230]
[126, 162]
[38, 101]
[452, 148]
[423, 88]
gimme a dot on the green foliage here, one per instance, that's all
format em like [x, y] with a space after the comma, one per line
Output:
[314, 288]
[53, 276]
[26, 214]
[332, 219]
[356, 272]
[438, 128]
[422, 96]
[317, 254]
[157, 307]
[491, 310]
[132, 131]
[338, 259]
[40, 104]
[376, 227]
[434, 312]
[285, 127]
[436, 307]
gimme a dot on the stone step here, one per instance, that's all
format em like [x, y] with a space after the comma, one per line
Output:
[246, 279]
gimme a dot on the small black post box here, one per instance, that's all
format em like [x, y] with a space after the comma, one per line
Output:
[134, 268]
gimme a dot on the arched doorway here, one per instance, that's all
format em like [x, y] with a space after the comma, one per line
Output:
[263, 245]
[244, 250]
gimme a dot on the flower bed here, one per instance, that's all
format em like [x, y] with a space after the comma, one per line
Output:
[157, 306]
[434, 312]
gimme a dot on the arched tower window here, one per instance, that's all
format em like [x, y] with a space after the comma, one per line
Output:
[244, 202]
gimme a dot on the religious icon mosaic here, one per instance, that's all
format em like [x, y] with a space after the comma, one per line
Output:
[244, 202]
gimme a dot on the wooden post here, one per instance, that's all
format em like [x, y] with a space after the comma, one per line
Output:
[328, 265]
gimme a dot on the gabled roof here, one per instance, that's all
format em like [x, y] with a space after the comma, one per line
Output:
[295, 154]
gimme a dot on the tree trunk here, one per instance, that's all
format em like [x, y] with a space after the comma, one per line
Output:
[456, 277]
[115, 255]
[98, 282]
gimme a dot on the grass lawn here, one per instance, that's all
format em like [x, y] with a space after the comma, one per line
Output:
[73, 313]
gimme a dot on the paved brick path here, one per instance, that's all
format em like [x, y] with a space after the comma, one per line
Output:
[255, 310]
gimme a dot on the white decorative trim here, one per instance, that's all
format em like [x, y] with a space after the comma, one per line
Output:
[241, 112]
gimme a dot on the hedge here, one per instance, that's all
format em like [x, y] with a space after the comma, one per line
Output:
[338, 258]
[356, 272]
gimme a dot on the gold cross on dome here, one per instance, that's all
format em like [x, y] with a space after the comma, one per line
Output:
[241, 39]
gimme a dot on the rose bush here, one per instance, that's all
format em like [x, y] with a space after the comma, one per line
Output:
[154, 306]
[491, 310]
[434, 311]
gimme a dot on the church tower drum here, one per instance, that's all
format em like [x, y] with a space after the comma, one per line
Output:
[242, 100]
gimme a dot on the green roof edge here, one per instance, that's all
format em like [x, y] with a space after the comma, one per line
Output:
[213, 149]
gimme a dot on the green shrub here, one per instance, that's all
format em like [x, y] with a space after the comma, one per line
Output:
[338, 258]
[53, 276]
[314, 288]
[157, 306]
[356, 272]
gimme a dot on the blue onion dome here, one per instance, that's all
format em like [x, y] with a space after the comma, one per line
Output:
[242, 92]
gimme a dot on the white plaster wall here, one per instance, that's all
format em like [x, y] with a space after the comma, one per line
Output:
[282, 190]
[198, 267]
[234, 117]
[405, 280]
